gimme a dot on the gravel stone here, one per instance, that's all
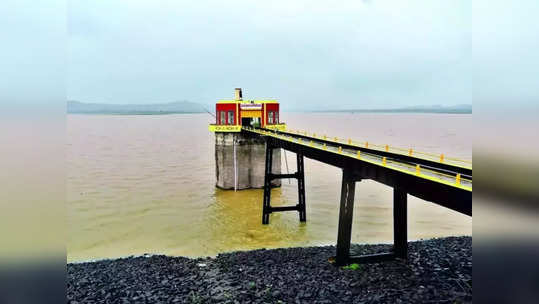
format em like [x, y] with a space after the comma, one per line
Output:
[437, 271]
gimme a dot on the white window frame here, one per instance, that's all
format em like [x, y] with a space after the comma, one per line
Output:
[222, 118]
[230, 117]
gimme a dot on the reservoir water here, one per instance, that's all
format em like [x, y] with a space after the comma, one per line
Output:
[146, 184]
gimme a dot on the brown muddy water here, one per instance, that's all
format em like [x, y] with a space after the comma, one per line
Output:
[146, 184]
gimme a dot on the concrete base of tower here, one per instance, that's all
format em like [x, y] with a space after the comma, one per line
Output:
[240, 161]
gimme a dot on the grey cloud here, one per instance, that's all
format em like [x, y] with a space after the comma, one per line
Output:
[315, 54]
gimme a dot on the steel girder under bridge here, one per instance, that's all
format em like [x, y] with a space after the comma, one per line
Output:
[434, 181]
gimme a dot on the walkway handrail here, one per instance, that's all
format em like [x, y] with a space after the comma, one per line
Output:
[419, 170]
[441, 158]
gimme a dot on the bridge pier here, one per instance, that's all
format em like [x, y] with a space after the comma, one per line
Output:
[351, 159]
[346, 214]
[267, 209]
[400, 245]
[400, 223]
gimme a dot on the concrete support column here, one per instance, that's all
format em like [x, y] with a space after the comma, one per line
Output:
[250, 161]
[400, 223]
[346, 213]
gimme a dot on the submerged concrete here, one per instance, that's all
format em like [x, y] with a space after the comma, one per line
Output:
[250, 161]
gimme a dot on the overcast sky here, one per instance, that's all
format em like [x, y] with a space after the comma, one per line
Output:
[308, 54]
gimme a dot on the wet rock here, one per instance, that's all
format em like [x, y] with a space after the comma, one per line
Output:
[438, 270]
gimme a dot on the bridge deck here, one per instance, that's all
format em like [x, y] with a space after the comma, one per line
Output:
[433, 181]
[445, 171]
[439, 181]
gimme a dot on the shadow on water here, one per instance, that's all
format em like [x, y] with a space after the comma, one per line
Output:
[236, 216]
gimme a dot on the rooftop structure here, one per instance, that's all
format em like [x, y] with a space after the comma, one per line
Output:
[233, 114]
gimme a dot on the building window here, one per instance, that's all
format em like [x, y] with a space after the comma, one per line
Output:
[230, 117]
[270, 118]
[276, 117]
[223, 118]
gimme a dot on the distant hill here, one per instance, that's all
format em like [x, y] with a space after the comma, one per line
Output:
[77, 107]
[457, 109]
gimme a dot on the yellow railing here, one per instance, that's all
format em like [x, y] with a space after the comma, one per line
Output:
[279, 127]
[410, 169]
[441, 158]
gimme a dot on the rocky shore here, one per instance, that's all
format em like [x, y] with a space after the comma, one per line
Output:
[437, 271]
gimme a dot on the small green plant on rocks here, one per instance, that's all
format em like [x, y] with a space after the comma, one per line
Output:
[194, 298]
[352, 267]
